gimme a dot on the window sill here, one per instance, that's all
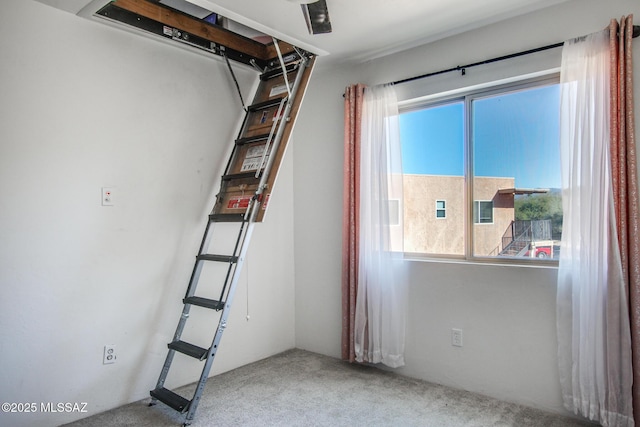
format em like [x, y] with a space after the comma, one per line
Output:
[533, 263]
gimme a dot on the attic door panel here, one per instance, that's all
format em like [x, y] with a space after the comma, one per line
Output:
[249, 157]
[236, 195]
[261, 121]
[274, 87]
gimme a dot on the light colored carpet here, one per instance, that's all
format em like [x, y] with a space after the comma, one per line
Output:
[299, 388]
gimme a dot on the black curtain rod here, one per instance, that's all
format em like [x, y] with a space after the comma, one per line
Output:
[462, 68]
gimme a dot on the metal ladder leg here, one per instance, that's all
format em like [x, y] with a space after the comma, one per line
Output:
[222, 324]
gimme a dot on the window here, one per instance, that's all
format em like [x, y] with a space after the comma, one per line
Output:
[483, 212]
[394, 212]
[441, 210]
[489, 163]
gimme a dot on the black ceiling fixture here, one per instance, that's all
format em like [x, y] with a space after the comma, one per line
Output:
[316, 15]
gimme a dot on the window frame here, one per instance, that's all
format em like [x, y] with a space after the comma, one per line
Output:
[443, 208]
[479, 202]
[467, 96]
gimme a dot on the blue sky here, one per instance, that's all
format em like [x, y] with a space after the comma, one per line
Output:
[515, 135]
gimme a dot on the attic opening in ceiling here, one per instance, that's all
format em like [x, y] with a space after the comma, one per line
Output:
[216, 19]
[193, 25]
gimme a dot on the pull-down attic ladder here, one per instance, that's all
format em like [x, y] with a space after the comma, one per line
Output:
[248, 179]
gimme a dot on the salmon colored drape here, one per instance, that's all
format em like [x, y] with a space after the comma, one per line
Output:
[625, 181]
[350, 229]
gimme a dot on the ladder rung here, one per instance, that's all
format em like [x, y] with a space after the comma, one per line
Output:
[277, 72]
[243, 175]
[266, 104]
[189, 349]
[219, 258]
[250, 139]
[226, 217]
[171, 399]
[204, 302]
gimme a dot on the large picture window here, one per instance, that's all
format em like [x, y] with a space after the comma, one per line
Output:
[494, 157]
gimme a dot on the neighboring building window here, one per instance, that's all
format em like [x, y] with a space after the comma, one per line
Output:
[394, 212]
[483, 212]
[441, 209]
[489, 163]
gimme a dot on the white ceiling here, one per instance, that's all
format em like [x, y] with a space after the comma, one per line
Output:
[362, 29]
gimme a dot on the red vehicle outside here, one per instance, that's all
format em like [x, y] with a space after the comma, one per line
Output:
[542, 250]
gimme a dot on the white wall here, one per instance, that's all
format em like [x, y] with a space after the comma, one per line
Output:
[82, 106]
[507, 313]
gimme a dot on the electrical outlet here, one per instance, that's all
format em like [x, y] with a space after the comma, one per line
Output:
[109, 355]
[456, 337]
[107, 196]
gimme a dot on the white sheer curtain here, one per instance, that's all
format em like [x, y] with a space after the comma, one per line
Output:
[381, 301]
[594, 346]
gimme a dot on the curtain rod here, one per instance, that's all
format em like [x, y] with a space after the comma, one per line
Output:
[462, 68]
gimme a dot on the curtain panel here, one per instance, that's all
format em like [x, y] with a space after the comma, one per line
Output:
[594, 337]
[379, 329]
[373, 274]
[350, 213]
[625, 179]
